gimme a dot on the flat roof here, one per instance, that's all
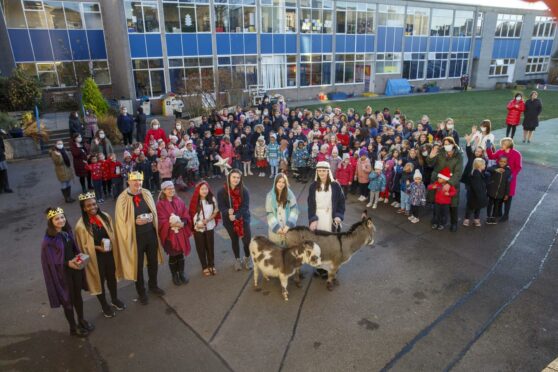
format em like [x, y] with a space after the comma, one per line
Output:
[514, 4]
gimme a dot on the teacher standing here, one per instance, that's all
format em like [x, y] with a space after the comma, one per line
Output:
[533, 108]
[326, 201]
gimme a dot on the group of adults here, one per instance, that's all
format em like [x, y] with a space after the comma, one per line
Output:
[531, 109]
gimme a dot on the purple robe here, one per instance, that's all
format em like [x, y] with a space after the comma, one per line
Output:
[54, 270]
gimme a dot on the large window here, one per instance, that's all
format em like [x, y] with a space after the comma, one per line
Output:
[545, 27]
[315, 69]
[537, 65]
[13, 13]
[458, 64]
[34, 13]
[349, 68]
[55, 15]
[437, 65]
[316, 16]
[149, 77]
[416, 21]
[501, 67]
[463, 23]
[278, 71]
[391, 15]
[509, 25]
[237, 72]
[92, 16]
[68, 74]
[442, 20]
[480, 21]
[141, 16]
[278, 16]
[238, 16]
[186, 17]
[413, 65]
[191, 75]
[388, 63]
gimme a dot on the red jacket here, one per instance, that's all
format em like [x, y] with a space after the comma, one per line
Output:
[107, 167]
[96, 170]
[344, 139]
[441, 197]
[514, 112]
[344, 174]
[157, 134]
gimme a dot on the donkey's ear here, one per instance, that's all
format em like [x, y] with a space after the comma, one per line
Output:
[364, 214]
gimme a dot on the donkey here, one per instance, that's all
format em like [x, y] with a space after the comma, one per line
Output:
[273, 261]
[336, 248]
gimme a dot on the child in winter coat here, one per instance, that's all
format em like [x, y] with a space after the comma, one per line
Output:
[362, 172]
[246, 156]
[260, 153]
[312, 162]
[116, 176]
[300, 161]
[273, 155]
[193, 163]
[152, 160]
[334, 160]
[96, 170]
[376, 185]
[202, 158]
[404, 183]
[128, 166]
[344, 174]
[499, 183]
[144, 166]
[417, 196]
[322, 155]
[442, 198]
[476, 192]
[107, 176]
[164, 167]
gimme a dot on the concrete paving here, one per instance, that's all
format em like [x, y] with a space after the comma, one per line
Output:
[482, 299]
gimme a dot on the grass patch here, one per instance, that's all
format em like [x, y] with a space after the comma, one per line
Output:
[466, 108]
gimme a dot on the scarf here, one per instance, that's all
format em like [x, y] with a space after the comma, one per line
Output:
[65, 157]
[195, 203]
[236, 198]
[137, 200]
[94, 220]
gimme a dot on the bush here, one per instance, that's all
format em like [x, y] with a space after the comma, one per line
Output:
[23, 91]
[108, 124]
[29, 126]
[92, 98]
[7, 122]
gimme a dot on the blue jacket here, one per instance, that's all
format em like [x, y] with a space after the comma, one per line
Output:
[377, 182]
[125, 123]
[224, 206]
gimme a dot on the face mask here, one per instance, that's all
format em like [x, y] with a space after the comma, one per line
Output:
[483, 129]
[425, 153]
[78, 139]
[155, 127]
[102, 135]
[450, 127]
[124, 112]
[179, 127]
[518, 98]
[448, 148]
[59, 147]
[266, 112]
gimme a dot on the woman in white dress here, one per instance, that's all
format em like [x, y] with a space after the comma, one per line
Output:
[326, 201]
[281, 208]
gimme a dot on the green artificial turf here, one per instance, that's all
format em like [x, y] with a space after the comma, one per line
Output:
[466, 108]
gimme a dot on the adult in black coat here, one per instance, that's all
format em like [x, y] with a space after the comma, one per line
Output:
[477, 197]
[533, 108]
[4, 184]
[75, 124]
[141, 124]
[125, 123]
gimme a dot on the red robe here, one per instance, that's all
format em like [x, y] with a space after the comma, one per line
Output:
[174, 243]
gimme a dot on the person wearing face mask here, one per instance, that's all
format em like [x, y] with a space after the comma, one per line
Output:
[155, 133]
[125, 123]
[141, 124]
[515, 107]
[482, 136]
[533, 108]
[74, 124]
[101, 144]
[450, 130]
[80, 154]
[63, 169]
[448, 156]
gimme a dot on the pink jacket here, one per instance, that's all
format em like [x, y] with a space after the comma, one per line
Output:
[514, 162]
[227, 151]
[164, 166]
[363, 170]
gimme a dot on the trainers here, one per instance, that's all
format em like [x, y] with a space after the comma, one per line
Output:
[108, 311]
[118, 305]
[89, 327]
[386, 200]
[237, 265]
[434, 226]
[158, 291]
[415, 220]
[374, 206]
[477, 223]
[399, 211]
[410, 218]
[361, 198]
[369, 205]
[397, 205]
[440, 227]
[393, 204]
[247, 263]
[466, 222]
[380, 200]
[79, 332]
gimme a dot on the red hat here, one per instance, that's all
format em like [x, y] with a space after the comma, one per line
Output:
[445, 174]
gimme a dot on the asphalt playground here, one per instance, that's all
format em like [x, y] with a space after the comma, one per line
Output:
[482, 299]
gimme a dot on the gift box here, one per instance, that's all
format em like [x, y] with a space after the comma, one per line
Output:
[82, 259]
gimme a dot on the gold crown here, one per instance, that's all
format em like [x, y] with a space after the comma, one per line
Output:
[87, 195]
[135, 176]
[54, 212]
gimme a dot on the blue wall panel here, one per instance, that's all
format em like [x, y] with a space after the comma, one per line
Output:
[327, 43]
[61, 45]
[305, 44]
[266, 42]
[478, 45]
[390, 39]
[461, 44]
[316, 43]
[137, 45]
[278, 43]
[350, 43]
[416, 44]
[290, 43]
[174, 45]
[21, 45]
[41, 45]
[190, 45]
[369, 43]
[506, 48]
[382, 32]
[339, 43]
[204, 44]
[439, 44]
[250, 43]
[548, 47]
[97, 48]
[237, 44]
[154, 45]
[361, 43]
[223, 44]
[78, 41]
[398, 35]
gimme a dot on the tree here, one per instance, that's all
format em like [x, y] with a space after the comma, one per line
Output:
[92, 97]
[24, 90]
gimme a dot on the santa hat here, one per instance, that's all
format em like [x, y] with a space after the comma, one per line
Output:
[378, 164]
[417, 175]
[445, 174]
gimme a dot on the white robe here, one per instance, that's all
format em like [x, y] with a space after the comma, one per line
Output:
[323, 209]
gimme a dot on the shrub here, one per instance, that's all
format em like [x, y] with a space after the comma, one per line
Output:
[29, 126]
[108, 124]
[7, 122]
[24, 90]
[92, 98]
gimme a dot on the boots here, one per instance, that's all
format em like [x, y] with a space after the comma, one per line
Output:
[67, 195]
[4, 184]
[181, 275]
[173, 265]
